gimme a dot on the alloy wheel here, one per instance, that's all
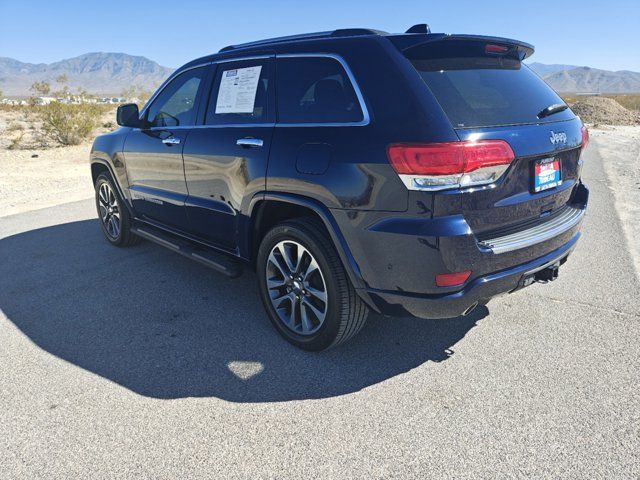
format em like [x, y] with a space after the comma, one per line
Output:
[109, 210]
[296, 287]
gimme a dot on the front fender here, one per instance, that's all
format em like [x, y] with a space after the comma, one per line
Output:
[107, 150]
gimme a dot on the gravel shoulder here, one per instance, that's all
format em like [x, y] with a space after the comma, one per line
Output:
[54, 176]
[619, 151]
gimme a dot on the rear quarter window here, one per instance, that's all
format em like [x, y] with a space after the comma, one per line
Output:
[315, 90]
[486, 91]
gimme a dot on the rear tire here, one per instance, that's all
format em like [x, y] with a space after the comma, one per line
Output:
[113, 214]
[327, 311]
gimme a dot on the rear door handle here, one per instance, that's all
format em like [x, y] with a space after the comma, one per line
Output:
[171, 141]
[249, 142]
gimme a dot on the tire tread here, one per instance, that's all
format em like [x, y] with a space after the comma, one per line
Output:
[127, 237]
[353, 311]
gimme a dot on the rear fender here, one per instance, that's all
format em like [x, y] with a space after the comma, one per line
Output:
[351, 267]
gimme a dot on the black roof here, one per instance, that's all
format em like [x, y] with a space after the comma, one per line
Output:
[416, 35]
[344, 32]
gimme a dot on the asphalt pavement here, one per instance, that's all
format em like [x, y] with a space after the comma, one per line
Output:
[138, 363]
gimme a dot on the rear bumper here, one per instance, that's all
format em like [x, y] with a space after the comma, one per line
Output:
[480, 290]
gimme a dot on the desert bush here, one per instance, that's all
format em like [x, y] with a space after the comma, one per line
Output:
[137, 93]
[10, 108]
[569, 99]
[13, 127]
[16, 141]
[69, 124]
[632, 102]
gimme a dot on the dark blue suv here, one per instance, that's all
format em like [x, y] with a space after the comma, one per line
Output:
[410, 174]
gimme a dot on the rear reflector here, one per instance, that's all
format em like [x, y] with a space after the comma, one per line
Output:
[437, 166]
[452, 279]
[585, 137]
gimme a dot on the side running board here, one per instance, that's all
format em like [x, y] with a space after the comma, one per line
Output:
[220, 262]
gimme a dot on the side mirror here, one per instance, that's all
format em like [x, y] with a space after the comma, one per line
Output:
[128, 115]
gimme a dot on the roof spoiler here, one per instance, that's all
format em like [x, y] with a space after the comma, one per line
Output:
[517, 49]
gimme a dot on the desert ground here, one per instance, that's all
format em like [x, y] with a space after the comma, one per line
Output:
[121, 363]
[35, 172]
[620, 149]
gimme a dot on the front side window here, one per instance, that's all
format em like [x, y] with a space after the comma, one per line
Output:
[315, 90]
[175, 105]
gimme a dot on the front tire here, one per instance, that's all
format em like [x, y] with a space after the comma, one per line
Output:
[305, 289]
[113, 215]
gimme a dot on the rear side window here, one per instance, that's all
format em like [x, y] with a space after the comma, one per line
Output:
[315, 90]
[242, 93]
[480, 91]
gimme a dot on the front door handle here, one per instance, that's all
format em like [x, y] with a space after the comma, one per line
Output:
[171, 141]
[249, 142]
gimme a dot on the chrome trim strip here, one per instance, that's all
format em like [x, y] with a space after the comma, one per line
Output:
[241, 59]
[221, 125]
[540, 233]
[365, 112]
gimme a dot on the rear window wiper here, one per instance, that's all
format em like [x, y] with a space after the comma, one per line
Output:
[551, 109]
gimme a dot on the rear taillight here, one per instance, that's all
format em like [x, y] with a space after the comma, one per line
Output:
[438, 166]
[585, 137]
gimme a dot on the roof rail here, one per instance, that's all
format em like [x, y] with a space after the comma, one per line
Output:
[344, 32]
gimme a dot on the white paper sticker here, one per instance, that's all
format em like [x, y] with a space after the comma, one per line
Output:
[237, 93]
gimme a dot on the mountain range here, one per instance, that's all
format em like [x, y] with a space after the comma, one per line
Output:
[576, 79]
[108, 73]
[111, 73]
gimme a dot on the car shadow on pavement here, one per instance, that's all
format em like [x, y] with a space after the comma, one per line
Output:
[166, 327]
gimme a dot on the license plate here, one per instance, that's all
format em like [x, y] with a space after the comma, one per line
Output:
[546, 174]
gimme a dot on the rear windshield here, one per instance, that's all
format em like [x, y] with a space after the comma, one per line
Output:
[488, 91]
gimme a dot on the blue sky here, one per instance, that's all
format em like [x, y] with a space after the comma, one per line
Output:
[599, 34]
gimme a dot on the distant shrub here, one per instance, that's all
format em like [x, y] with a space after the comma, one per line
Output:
[632, 102]
[10, 108]
[16, 141]
[69, 124]
[13, 127]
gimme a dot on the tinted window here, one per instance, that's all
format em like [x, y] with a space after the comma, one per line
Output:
[315, 90]
[485, 91]
[241, 93]
[175, 105]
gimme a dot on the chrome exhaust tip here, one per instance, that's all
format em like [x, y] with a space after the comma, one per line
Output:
[470, 309]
